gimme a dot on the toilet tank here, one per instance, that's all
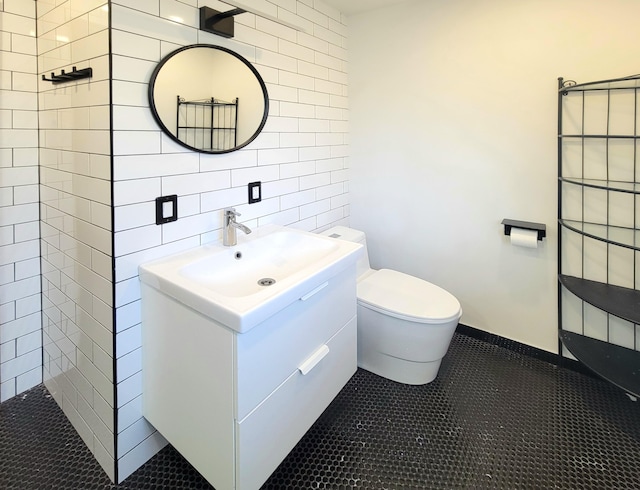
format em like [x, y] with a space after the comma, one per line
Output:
[351, 235]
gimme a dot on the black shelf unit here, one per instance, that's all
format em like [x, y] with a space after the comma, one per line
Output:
[208, 124]
[599, 227]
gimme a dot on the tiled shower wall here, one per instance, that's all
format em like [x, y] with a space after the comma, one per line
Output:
[20, 341]
[76, 216]
[300, 157]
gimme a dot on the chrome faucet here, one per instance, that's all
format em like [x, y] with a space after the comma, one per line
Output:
[229, 236]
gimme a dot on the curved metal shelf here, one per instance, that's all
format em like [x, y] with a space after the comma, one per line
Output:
[617, 300]
[615, 235]
[607, 185]
[601, 136]
[618, 365]
[629, 82]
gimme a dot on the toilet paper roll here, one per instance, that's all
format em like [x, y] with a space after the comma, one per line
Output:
[524, 238]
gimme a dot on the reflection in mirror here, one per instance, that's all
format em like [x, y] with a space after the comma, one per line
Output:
[208, 98]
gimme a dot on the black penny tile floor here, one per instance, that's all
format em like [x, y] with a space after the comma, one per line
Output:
[493, 419]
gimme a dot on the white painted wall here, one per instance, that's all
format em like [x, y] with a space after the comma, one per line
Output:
[453, 123]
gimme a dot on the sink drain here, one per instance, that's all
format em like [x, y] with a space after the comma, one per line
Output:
[266, 281]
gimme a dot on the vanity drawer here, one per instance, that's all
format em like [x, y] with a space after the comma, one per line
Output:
[271, 431]
[270, 352]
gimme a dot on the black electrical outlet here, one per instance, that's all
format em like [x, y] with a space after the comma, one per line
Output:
[166, 209]
[255, 192]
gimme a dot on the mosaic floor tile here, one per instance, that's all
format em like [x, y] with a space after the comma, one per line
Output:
[493, 419]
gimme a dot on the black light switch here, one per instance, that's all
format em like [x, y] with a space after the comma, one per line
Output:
[255, 192]
[166, 209]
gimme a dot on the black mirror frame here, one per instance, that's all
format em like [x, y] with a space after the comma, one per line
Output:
[154, 111]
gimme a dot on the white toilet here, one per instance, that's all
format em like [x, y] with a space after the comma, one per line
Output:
[405, 324]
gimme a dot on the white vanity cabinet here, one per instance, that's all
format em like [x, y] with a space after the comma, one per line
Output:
[235, 404]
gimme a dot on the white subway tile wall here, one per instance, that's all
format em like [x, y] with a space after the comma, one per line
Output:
[76, 220]
[20, 323]
[92, 216]
[301, 157]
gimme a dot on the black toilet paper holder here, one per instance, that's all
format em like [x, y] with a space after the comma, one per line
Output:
[541, 228]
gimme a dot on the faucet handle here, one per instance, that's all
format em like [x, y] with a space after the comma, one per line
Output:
[231, 212]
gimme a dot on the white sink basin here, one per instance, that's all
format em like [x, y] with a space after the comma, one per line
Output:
[243, 285]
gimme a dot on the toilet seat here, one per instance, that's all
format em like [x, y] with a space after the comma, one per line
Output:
[407, 297]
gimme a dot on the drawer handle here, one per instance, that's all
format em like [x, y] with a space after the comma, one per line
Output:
[314, 291]
[315, 358]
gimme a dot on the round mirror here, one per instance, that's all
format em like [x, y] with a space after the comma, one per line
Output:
[208, 98]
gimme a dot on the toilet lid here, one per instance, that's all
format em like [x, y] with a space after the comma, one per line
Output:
[407, 297]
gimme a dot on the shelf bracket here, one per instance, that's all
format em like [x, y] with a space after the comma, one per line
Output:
[219, 23]
[541, 228]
